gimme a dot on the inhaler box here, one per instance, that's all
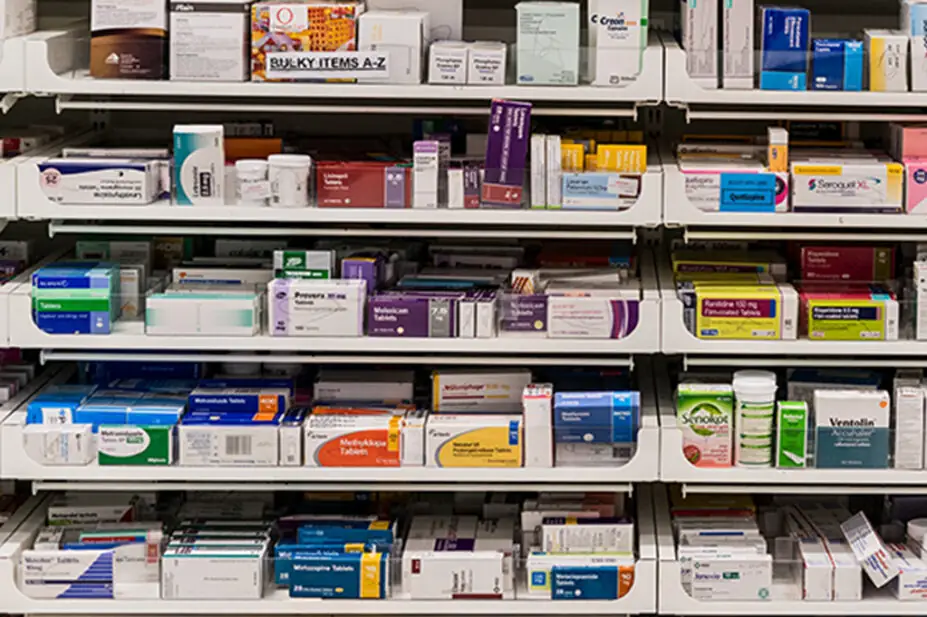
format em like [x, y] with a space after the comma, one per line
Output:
[852, 428]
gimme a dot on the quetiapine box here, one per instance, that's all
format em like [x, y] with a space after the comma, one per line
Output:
[473, 440]
[852, 315]
[845, 185]
[852, 428]
[365, 441]
[473, 390]
[734, 186]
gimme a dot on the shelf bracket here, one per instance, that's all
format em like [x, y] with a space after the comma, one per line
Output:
[9, 100]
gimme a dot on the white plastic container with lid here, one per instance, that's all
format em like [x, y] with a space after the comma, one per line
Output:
[252, 187]
[754, 411]
[289, 180]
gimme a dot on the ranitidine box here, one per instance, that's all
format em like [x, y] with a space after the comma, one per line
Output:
[741, 311]
[303, 307]
[852, 428]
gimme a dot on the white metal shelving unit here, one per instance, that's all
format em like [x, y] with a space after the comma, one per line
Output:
[56, 64]
[640, 599]
[12, 71]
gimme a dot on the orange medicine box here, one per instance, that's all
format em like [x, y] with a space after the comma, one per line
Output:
[280, 28]
[365, 440]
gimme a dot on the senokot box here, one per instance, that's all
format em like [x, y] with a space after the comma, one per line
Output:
[852, 428]
[849, 316]
[847, 263]
[705, 414]
[847, 185]
[748, 312]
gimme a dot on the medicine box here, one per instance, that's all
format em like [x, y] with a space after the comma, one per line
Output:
[457, 568]
[474, 440]
[699, 22]
[448, 62]
[847, 185]
[348, 385]
[345, 575]
[487, 63]
[485, 391]
[587, 535]
[136, 445]
[870, 552]
[599, 190]
[365, 440]
[571, 315]
[261, 404]
[17, 17]
[128, 41]
[887, 60]
[306, 307]
[507, 151]
[202, 442]
[734, 186]
[911, 582]
[792, 436]
[737, 25]
[404, 314]
[293, 263]
[784, 41]
[59, 444]
[547, 42]
[221, 276]
[537, 411]
[837, 64]
[596, 417]
[402, 35]
[852, 428]
[908, 405]
[617, 39]
[233, 312]
[225, 24]
[856, 314]
[213, 573]
[847, 263]
[96, 181]
[741, 311]
[738, 577]
[590, 577]
[705, 413]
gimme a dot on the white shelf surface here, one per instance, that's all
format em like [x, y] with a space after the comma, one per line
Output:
[682, 90]
[13, 64]
[678, 211]
[31, 203]
[56, 64]
[640, 599]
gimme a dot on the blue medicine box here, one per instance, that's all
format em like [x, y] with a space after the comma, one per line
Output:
[780, 80]
[57, 404]
[785, 37]
[596, 417]
[837, 64]
[584, 583]
[250, 401]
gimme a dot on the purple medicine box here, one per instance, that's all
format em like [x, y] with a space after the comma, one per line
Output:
[408, 315]
[364, 268]
[526, 313]
[506, 154]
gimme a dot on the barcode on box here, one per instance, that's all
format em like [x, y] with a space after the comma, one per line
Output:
[237, 445]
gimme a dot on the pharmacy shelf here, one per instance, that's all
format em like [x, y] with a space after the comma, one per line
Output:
[640, 599]
[678, 211]
[678, 340]
[674, 467]
[12, 71]
[130, 336]
[33, 204]
[56, 64]
[15, 463]
[706, 103]
[675, 600]
[57, 251]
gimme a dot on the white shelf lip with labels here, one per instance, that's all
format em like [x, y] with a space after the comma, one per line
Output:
[678, 211]
[12, 65]
[54, 66]
[15, 463]
[682, 90]
[32, 203]
[640, 599]
[130, 335]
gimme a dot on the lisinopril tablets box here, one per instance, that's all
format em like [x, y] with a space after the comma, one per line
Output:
[468, 390]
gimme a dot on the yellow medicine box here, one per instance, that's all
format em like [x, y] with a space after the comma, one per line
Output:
[474, 440]
[622, 159]
[748, 312]
[572, 157]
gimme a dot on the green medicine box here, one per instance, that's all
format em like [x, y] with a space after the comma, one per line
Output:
[136, 445]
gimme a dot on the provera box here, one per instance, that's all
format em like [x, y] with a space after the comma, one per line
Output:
[852, 428]
[705, 414]
[490, 440]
